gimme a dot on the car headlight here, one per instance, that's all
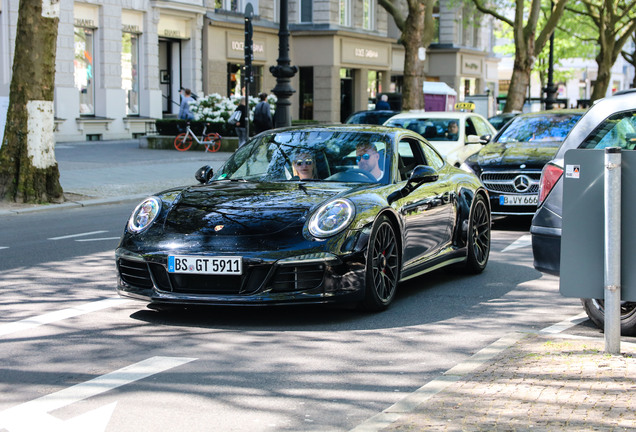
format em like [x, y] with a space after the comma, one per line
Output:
[331, 218]
[144, 215]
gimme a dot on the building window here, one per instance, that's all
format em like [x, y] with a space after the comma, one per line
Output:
[229, 5]
[306, 93]
[344, 12]
[367, 14]
[306, 11]
[84, 69]
[235, 79]
[130, 71]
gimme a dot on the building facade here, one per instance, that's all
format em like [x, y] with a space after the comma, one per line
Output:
[120, 64]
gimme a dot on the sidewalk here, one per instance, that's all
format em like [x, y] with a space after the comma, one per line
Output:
[525, 382]
[102, 172]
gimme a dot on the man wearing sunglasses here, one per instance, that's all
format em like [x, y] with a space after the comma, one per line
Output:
[367, 157]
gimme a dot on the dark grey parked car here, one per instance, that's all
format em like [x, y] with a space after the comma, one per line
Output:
[610, 122]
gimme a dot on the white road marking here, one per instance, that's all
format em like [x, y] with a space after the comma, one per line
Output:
[33, 415]
[521, 242]
[98, 239]
[77, 235]
[4, 247]
[29, 323]
[565, 324]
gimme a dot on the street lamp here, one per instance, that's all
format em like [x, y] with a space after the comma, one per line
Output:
[550, 90]
[283, 72]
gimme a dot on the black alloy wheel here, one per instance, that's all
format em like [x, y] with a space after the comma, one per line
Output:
[478, 236]
[595, 310]
[383, 266]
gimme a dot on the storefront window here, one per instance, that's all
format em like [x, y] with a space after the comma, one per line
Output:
[374, 85]
[306, 93]
[306, 11]
[235, 80]
[130, 71]
[85, 69]
[367, 14]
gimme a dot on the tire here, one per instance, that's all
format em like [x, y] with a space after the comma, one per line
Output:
[478, 239]
[594, 308]
[382, 267]
[212, 142]
[183, 142]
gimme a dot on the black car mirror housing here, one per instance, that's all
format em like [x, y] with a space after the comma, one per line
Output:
[421, 174]
[204, 174]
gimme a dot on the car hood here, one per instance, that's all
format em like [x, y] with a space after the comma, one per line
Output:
[517, 153]
[227, 208]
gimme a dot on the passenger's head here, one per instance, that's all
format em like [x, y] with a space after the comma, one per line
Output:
[367, 157]
[452, 127]
[304, 165]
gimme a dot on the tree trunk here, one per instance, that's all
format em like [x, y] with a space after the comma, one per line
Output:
[413, 91]
[519, 83]
[28, 169]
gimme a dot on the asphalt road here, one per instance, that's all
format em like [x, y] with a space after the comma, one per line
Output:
[75, 356]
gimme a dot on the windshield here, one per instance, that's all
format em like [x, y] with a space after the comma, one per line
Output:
[433, 129]
[537, 128]
[310, 155]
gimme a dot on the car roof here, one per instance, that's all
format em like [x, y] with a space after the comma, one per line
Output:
[435, 114]
[553, 111]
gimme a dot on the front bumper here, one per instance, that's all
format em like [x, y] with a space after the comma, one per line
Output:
[321, 278]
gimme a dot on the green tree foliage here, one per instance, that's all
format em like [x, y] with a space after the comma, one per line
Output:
[530, 35]
[608, 24]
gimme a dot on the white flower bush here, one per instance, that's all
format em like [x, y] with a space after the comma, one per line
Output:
[215, 108]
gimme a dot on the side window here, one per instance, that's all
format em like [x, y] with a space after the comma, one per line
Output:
[409, 157]
[470, 127]
[480, 126]
[432, 158]
[618, 130]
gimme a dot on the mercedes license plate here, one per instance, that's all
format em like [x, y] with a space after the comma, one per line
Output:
[518, 200]
[205, 265]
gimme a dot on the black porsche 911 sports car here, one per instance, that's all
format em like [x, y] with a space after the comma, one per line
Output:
[307, 215]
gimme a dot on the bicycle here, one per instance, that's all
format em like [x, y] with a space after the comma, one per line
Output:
[211, 141]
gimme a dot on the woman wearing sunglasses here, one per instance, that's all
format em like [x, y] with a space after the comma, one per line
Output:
[304, 166]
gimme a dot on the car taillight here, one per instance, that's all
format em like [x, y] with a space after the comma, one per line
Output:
[549, 177]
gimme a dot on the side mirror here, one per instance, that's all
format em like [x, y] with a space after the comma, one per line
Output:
[420, 175]
[485, 139]
[204, 174]
[473, 139]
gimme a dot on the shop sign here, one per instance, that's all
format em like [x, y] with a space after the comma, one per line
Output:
[471, 66]
[359, 52]
[132, 22]
[85, 16]
[173, 27]
[235, 47]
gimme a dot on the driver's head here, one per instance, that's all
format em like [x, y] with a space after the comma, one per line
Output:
[452, 127]
[303, 165]
[367, 158]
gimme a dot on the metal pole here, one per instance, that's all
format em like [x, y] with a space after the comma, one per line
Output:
[612, 266]
[283, 72]
[550, 90]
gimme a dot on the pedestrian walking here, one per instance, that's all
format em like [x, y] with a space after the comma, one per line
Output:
[262, 115]
[238, 120]
[383, 103]
[184, 110]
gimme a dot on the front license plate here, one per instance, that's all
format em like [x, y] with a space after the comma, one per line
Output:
[205, 265]
[518, 200]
